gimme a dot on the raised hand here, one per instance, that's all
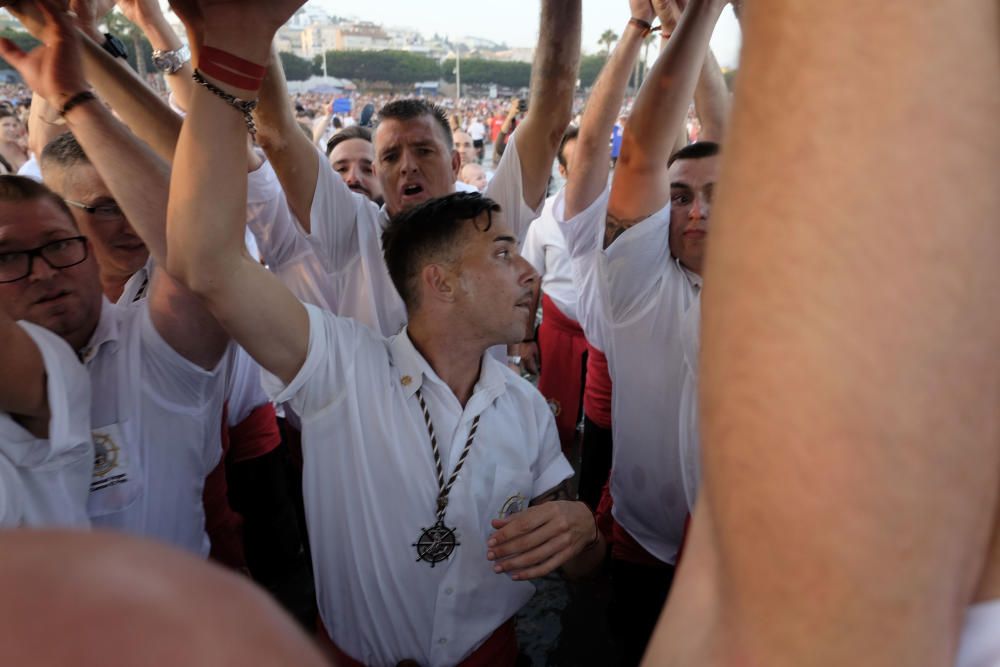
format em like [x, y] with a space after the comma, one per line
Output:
[139, 11]
[53, 70]
[669, 12]
[235, 25]
[642, 9]
[89, 13]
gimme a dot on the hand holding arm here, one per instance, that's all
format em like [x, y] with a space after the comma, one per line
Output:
[554, 532]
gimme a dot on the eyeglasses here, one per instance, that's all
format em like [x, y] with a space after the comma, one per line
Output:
[60, 254]
[106, 211]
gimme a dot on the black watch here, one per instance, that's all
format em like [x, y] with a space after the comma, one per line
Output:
[114, 46]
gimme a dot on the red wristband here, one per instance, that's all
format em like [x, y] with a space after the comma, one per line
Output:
[229, 61]
[224, 75]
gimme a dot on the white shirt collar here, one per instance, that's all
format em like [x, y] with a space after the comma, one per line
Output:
[414, 371]
[106, 332]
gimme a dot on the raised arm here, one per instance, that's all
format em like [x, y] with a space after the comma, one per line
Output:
[291, 153]
[849, 344]
[137, 104]
[588, 173]
[711, 100]
[137, 179]
[148, 17]
[553, 80]
[208, 192]
[640, 186]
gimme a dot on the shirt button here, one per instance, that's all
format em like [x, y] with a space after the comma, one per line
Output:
[449, 590]
[442, 641]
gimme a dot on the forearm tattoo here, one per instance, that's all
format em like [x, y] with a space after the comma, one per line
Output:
[560, 492]
[615, 227]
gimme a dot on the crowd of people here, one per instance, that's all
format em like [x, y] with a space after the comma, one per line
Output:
[239, 326]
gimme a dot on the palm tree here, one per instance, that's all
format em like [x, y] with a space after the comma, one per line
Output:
[607, 39]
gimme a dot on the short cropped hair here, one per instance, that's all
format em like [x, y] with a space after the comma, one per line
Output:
[572, 134]
[409, 109]
[352, 132]
[64, 151]
[427, 233]
[20, 188]
[695, 151]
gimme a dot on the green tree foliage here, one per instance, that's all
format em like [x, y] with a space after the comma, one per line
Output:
[590, 67]
[394, 67]
[608, 37]
[478, 70]
[296, 68]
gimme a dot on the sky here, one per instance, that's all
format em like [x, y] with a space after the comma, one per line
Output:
[512, 21]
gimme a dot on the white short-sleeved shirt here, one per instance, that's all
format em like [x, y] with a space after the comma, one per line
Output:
[980, 642]
[477, 131]
[633, 298]
[45, 482]
[690, 433]
[339, 266]
[545, 249]
[244, 394]
[156, 420]
[370, 489]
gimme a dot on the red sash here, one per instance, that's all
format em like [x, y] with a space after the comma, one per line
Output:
[499, 650]
[560, 347]
[597, 392]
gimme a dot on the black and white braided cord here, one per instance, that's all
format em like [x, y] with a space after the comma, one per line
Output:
[445, 488]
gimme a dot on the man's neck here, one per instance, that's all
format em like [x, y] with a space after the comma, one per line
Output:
[113, 286]
[455, 359]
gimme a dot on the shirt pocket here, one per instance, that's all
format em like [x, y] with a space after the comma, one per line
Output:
[509, 493]
[116, 483]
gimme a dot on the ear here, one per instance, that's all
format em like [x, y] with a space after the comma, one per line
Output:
[456, 163]
[438, 284]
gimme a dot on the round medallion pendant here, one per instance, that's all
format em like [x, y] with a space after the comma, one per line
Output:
[436, 544]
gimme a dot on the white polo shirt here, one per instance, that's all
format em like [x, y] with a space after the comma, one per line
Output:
[370, 488]
[45, 482]
[347, 236]
[156, 420]
[545, 249]
[979, 645]
[633, 299]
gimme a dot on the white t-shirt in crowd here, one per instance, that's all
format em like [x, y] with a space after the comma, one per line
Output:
[45, 482]
[980, 642]
[370, 489]
[156, 420]
[632, 301]
[545, 249]
[339, 267]
[477, 130]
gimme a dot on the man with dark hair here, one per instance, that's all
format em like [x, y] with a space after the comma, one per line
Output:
[352, 155]
[421, 552]
[415, 160]
[638, 251]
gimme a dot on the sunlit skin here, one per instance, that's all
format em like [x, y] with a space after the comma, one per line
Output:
[354, 160]
[65, 301]
[474, 175]
[413, 162]
[118, 249]
[692, 183]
